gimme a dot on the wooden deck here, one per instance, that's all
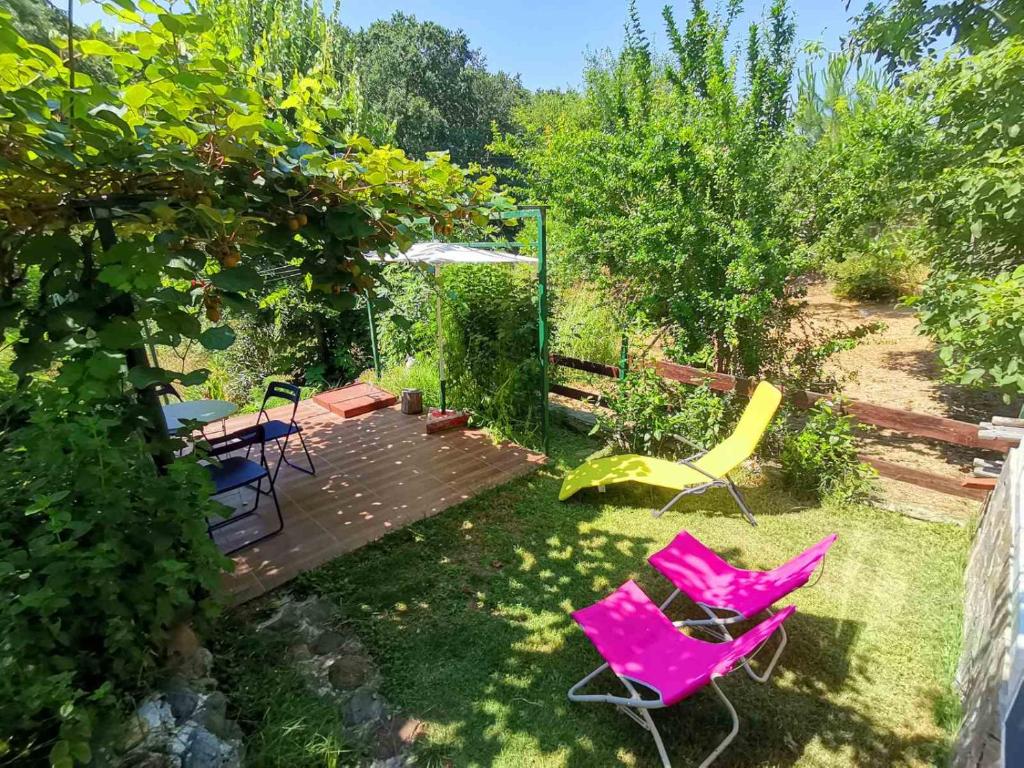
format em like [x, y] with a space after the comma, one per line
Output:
[374, 474]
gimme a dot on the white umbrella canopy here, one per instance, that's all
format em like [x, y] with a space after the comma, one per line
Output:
[439, 254]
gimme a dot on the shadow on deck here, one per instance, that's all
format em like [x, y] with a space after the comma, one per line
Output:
[375, 473]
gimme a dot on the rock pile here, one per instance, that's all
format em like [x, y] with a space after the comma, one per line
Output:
[337, 667]
[185, 725]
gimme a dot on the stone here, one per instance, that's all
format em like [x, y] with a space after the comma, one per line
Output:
[398, 761]
[212, 713]
[195, 666]
[364, 707]
[182, 739]
[147, 759]
[208, 751]
[350, 672]
[395, 735]
[316, 611]
[134, 734]
[300, 652]
[182, 702]
[286, 618]
[156, 714]
[182, 641]
[152, 722]
[327, 642]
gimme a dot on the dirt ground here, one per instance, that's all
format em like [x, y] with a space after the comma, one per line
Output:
[898, 367]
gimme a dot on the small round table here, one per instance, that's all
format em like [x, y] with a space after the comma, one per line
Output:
[203, 411]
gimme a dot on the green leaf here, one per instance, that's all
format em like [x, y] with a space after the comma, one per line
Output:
[121, 333]
[136, 96]
[342, 302]
[142, 376]
[218, 338]
[96, 48]
[81, 751]
[237, 279]
[244, 124]
[195, 378]
[60, 755]
[174, 24]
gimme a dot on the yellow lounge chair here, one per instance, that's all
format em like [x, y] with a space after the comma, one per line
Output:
[694, 474]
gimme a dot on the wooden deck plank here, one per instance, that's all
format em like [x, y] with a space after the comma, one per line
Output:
[375, 474]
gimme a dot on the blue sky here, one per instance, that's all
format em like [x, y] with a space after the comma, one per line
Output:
[546, 41]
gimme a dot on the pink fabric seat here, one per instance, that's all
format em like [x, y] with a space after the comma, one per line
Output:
[640, 644]
[706, 578]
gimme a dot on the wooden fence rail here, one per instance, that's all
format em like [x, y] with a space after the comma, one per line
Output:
[920, 425]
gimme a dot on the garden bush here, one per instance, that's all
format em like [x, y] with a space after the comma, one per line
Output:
[490, 331]
[821, 459]
[205, 187]
[888, 268]
[418, 373]
[645, 411]
[299, 337]
[664, 183]
[99, 556]
[585, 325]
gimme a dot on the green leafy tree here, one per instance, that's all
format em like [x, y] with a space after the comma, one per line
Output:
[971, 303]
[40, 22]
[663, 185]
[903, 33]
[434, 86]
[856, 153]
[821, 459]
[296, 45]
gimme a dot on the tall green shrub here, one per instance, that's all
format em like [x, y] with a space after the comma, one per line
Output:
[490, 332]
[99, 556]
[891, 266]
[200, 184]
[821, 459]
[646, 412]
[972, 197]
[665, 185]
[298, 336]
[585, 325]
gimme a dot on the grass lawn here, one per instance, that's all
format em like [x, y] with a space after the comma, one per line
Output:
[467, 614]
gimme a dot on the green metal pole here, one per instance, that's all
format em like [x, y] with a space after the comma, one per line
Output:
[373, 336]
[441, 371]
[624, 357]
[542, 321]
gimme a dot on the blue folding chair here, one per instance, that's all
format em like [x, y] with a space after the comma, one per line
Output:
[161, 389]
[229, 473]
[277, 430]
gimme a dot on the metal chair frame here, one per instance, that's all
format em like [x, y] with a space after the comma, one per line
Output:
[638, 708]
[221, 446]
[291, 393]
[714, 482]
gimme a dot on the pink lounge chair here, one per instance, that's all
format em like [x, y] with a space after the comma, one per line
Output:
[718, 588]
[643, 647]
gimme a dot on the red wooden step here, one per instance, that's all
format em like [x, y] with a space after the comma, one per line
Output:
[355, 399]
[437, 421]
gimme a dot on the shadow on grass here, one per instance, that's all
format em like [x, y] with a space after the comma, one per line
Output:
[468, 616]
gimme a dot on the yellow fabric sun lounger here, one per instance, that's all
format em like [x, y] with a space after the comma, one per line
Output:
[695, 474]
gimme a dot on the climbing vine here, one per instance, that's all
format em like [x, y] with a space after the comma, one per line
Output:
[146, 207]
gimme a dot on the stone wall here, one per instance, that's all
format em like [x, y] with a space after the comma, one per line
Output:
[989, 672]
